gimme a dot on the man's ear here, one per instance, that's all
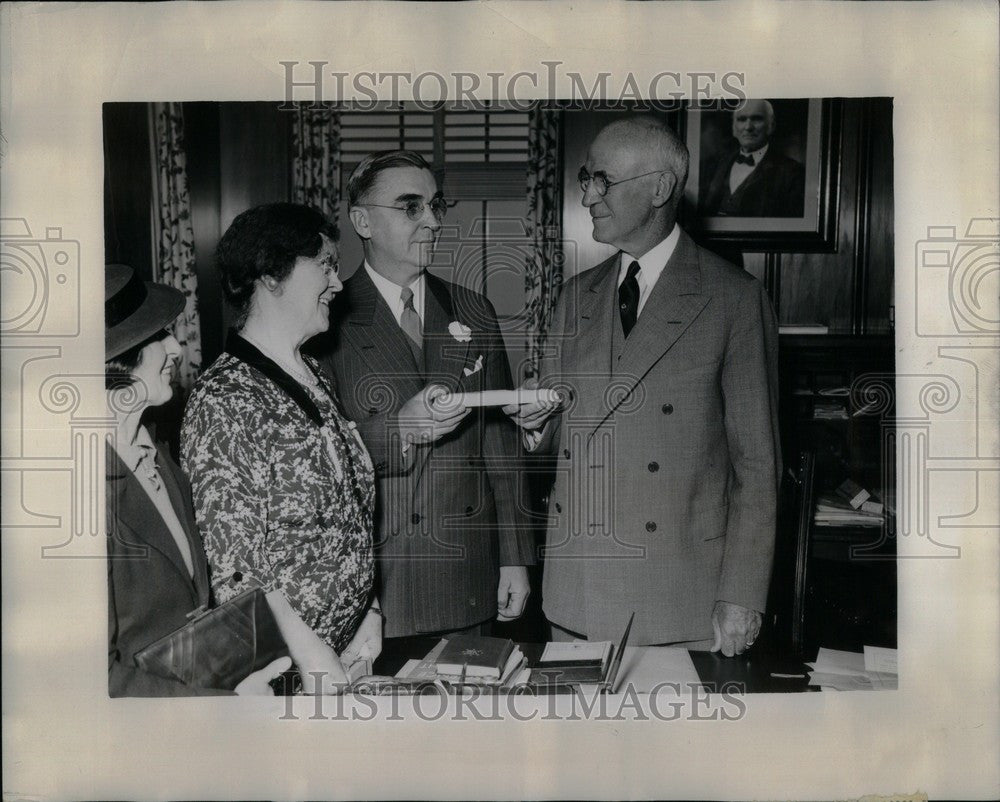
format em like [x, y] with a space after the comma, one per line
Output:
[666, 185]
[359, 219]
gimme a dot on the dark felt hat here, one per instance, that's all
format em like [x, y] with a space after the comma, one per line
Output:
[135, 309]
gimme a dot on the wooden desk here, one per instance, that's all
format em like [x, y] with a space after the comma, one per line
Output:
[751, 672]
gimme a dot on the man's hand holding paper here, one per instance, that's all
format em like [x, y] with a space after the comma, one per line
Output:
[533, 412]
[424, 419]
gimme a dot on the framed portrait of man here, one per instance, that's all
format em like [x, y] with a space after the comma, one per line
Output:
[764, 173]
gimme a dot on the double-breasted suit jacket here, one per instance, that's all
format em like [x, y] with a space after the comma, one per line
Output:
[150, 591]
[775, 188]
[449, 514]
[668, 456]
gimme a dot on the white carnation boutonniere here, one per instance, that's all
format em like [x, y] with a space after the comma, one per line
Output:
[460, 331]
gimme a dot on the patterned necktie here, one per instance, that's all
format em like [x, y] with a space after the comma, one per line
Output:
[628, 298]
[747, 160]
[409, 322]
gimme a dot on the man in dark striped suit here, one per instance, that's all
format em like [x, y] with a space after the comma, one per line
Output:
[452, 538]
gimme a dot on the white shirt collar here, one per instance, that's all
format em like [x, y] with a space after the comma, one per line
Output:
[757, 155]
[391, 292]
[133, 454]
[651, 264]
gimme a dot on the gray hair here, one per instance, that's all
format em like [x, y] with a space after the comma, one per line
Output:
[656, 138]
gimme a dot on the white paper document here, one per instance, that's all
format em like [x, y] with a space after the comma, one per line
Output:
[834, 661]
[495, 398]
[880, 659]
[660, 668]
[557, 652]
[874, 670]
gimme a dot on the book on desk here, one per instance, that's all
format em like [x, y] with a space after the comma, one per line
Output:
[572, 664]
[577, 662]
[478, 657]
[497, 664]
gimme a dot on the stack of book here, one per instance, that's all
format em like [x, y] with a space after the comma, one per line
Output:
[498, 664]
[469, 660]
[851, 505]
[478, 660]
[829, 410]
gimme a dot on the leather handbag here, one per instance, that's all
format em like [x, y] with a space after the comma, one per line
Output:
[220, 647]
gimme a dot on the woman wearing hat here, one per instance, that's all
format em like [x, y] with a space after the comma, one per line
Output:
[157, 572]
[283, 485]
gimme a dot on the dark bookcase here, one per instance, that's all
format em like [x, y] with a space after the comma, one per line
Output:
[835, 585]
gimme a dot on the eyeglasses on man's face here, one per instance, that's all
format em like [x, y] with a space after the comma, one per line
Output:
[600, 182]
[415, 208]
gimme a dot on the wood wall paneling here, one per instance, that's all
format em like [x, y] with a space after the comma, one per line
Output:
[818, 287]
[880, 219]
[238, 157]
[201, 128]
[254, 160]
[128, 187]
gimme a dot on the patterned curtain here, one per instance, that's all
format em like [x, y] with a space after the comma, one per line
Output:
[316, 159]
[544, 264]
[174, 264]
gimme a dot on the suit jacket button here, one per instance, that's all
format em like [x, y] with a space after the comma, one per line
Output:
[654, 467]
[650, 526]
[237, 576]
[566, 453]
[558, 507]
[415, 518]
[472, 602]
[469, 510]
[667, 409]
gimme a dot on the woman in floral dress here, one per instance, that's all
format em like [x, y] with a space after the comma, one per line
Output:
[283, 486]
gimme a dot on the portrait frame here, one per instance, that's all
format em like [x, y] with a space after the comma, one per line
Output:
[819, 144]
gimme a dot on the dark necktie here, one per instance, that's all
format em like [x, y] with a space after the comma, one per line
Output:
[747, 160]
[409, 322]
[628, 298]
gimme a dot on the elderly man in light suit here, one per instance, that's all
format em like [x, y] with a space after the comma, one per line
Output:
[668, 464]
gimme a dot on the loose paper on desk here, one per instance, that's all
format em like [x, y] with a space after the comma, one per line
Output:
[874, 670]
[665, 669]
[880, 659]
[870, 681]
[834, 661]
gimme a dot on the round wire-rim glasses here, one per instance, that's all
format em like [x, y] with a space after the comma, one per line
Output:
[415, 208]
[600, 180]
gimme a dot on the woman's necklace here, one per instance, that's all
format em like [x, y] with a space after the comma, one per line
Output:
[302, 378]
